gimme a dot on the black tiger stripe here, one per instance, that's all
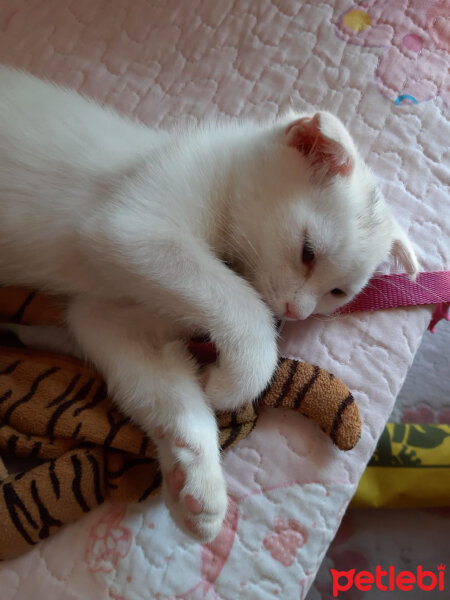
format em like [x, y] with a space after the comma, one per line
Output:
[235, 430]
[338, 416]
[39, 379]
[97, 478]
[144, 444]
[155, 484]
[231, 438]
[76, 431]
[15, 506]
[5, 396]
[65, 393]
[11, 368]
[234, 420]
[287, 384]
[76, 483]
[47, 520]
[83, 445]
[115, 426]
[11, 446]
[98, 397]
[35, 449]
[62, 408]
[305, 389]
[54, 480]
[129, 464]
[18, 315]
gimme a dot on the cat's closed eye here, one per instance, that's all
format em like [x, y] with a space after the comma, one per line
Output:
[337, 292]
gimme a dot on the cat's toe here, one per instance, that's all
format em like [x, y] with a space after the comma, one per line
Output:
[175, 481]
[199, 512]
[194, 505]
[194, 490]
[204, 525]
[206, 516]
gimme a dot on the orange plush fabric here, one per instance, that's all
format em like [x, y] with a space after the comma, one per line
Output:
[56, 409]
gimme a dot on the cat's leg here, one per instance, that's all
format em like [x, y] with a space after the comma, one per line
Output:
[154, 380]
[45, 337]
[183, 276]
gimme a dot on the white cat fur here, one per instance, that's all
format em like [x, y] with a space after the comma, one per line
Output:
[138, 227]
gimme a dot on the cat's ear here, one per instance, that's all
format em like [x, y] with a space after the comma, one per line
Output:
[403, 254]
[325, 142]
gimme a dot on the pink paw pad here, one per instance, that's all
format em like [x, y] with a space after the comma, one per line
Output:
[190, 525]
[180, 442]
[193, 504]
[175, 481]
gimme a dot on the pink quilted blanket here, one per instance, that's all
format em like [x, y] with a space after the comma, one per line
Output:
[382, 67]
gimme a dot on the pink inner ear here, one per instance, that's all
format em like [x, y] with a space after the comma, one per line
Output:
[306, 136]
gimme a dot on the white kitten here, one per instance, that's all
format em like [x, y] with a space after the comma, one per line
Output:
[137, 227]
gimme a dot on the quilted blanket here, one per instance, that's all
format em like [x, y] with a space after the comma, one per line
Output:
[382, 67]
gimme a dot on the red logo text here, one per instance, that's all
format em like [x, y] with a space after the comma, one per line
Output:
[388, 580]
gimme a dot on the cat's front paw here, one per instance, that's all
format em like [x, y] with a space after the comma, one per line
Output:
[194, 487]
[241, 377]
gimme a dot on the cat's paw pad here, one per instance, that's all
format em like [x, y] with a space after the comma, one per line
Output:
[194, 488]
[175, 481]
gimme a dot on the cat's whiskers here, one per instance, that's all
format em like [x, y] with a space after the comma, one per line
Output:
[239, 235]
[239, 243]
[325, 318]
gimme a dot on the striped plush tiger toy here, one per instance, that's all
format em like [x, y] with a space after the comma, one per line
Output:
[55, 409]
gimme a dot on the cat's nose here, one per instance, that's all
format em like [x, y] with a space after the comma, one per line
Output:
[291, 312]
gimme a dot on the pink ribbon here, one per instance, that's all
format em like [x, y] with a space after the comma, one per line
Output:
[391, 291]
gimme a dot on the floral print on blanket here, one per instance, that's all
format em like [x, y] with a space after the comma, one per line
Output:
[108, 541]
[289, 535]
[415, 36]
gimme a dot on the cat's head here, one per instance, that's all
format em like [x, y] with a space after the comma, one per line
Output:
[312, 220]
